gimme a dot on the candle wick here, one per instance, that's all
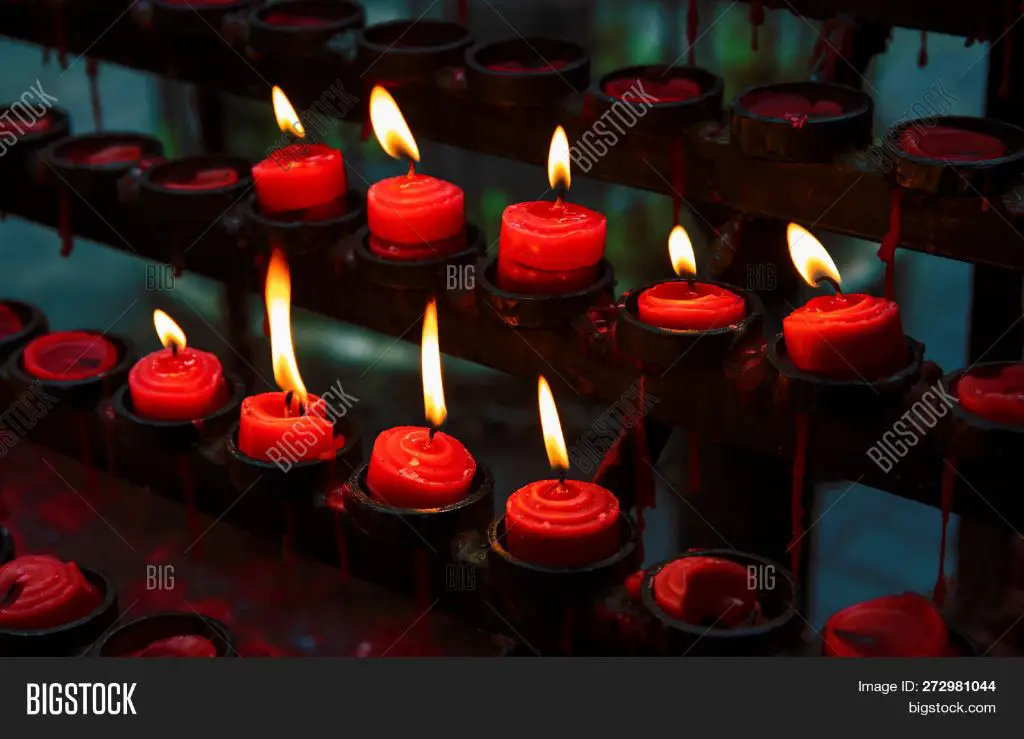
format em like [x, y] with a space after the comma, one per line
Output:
[431, 434]
[174, 348]
[288, 402]
[561, 479]
[689, 282]
[559, 200]
[412, 168]
[833, 284]
[302, 409]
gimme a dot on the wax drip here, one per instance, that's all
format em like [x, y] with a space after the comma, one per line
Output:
[86, 455]
[922, 55]
[92, 70]
[677, 163]
[422, 565]
[797, 502]
[288, 540]
[341, 542]
[756, 15]
[568, 617]
[463, 10]
[188, 488]
[692, 464]
[891, 240]
[1004, 83]
[60, 35]
[109, 438]
[64, 227]
[948, 481]
[692, 24]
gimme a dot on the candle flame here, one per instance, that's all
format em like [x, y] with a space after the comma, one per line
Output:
[680, 252]
[169, 332]
[279, 298]
[554, 442]
[389, 126]
[558, 160]
[287, 118]
[430, 366]
[809, 256]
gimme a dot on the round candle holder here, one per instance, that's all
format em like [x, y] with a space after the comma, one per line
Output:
[665, 347]
[33, 324]
[19, 158]
[296, 236]
[170, 18]
[410, 50]
[952, 178]
[303, 39]
[71, 638]
[541, 311]
[126, 640]
[777, 634]
[416, 274]
[96, 183]
[669, 116]
[541, 72]
[805, 136]
[7, 552]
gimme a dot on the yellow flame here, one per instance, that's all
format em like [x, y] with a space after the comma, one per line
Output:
[680, 251]
[554, 442]
[287, 118]
[558, 160]
[390, 127]
[809, 256]
[169, 332]
[430, 367]
[279, 298]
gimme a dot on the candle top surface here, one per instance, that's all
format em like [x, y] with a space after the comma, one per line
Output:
[41, 592]
[296, 157]
[204, 179]
[412, 189]
[707, 591]
[37, 126]
[771, 104]
[69, 355]
[995, 393]
[189, 645]
[96, 154]
[844, 308]
[679, 305]
[653, 89]
[409, 469]
[550, 216]
[950, 144]
[270, 408]
[568, 504]
[905, 625]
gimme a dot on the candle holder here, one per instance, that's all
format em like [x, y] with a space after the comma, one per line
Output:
[97, 183]
[777, 593]
[553, 610]
[946, 176]
[410, 51]
[33, 324]
[135, 636]
[169, 18]
[521, 71]
[298, 237]
[665, 347]
[542, 311]
[429, 274]
[7, 552]
[301, 40]
[19, 158]
[821, 121]
[71, 638]
[661, 116]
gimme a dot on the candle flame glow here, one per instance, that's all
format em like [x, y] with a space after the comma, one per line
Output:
[169, 332]
[558, 160]
[554, 442]
[279, 298]
[680, 252]
[287, 118]
[430, 367]
[809, 256]
[389, 126]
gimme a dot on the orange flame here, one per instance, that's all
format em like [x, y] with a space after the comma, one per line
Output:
[430, 367]
[558, 160]
[389, 126]
[809, 256]
[169, 332]
[554, 442]
[287, 118]
[279, 298]
[680, 252]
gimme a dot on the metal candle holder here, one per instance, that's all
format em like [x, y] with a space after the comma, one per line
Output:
[410, 50]
[296, 43]
[664, 117]
[428, 274]
[264, 231]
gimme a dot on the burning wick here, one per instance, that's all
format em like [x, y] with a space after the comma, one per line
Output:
[174, 348]
[412, 167]
[431, 434]
[560, 196]
[288, 403]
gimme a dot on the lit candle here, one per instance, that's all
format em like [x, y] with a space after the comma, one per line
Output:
[707, 591]
[905, 625]
[560, 523]
[416, 467]
[41, 592]
[412, 216]
[685, 304]
[548, 247]
[177, 383]
[67, 356]
[298, 176]
[994, 392]
[841, 336]
[290, 424]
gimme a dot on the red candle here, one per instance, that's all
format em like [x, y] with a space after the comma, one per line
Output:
[67, 356]
[550, 247]
[204, 179]
[707, 591]
[652, 90]
[89, 155]
[950, 144]
[995, 393]
[298, 176]
[178, 646]
[41, 592]
[10, 321]
[411, 216]
[788, 106]
[520, 68]
[905, 625]
[854, 337]
[177, 383]
[290, 426]
[18, 128]
[414, 467]
[688, 305]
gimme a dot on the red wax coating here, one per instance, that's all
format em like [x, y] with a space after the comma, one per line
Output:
[514, 66]
[205, 179]
[846, 337]
[69, 355]
[10, 321]
[549, 247]
[293, 21]
[562, 524]
[905, 625]
[671, 90]
[270, 432]
[115, 154]
[415, 209]
[178, 646]
[995, 393]
[786, 105]
[16, 126]
[299, 176]
[950, 144]
[707, 590]
[705, 307]
[177, 387]
[41, 592]
[409, 470]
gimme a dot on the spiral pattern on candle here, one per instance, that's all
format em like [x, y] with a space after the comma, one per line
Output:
[408, 469]
[413, 209]
[995, 393]
[567, 506]
[178, 646]
[702, 307]
[41, 592]
[176, 387]
[906, 625]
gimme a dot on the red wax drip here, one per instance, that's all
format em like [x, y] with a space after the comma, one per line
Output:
[408, 469]
[692, 26]
[702, 307]
[846, 337]
[92, 70]
[890, 242]
[188, 487]
[948, 481]
[520, 68]
[204, 179]
[644, 476]
[797, 500]
[10, 321]
[110, 442]
[652, 89]
[707, 591]
[922, 55]
[341, 543]
[178, 646]
[756, 14]
[905, 625]
[788, 106]
[19, 128]
[85, 453]
[414, 209]
[64, 227]
[677, 162]
[43, 593]
[945, 143]
[178, 385]
[692, 464]
[291, 20]
[994, 393]
[60, 36]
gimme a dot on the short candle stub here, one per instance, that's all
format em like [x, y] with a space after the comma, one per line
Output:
[448, 268]
[665, 99]
[156, 636]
